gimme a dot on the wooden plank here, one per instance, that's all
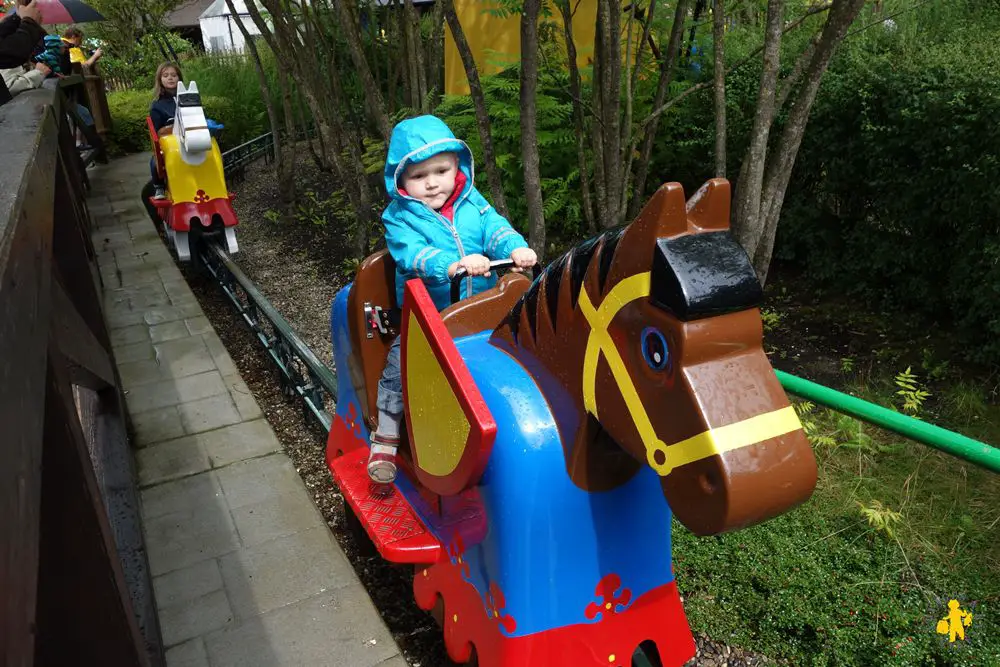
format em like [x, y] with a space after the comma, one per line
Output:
[25, 258]
[91, 361]
[84, 614]
[72, 248]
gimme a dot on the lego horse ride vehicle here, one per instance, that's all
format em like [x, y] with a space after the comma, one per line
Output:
[555, 426]
[198, 206]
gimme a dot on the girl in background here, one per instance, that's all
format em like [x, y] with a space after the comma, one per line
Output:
[162, 113]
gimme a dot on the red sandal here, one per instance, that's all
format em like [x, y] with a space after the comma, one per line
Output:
[382, 459]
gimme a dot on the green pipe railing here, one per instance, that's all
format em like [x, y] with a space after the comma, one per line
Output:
[956, 444]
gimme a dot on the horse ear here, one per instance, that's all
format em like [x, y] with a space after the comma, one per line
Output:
[193, 87]
[180, 88]
[663, 216]
[709, 208]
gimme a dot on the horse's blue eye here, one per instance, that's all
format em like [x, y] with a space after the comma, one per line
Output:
[655, 350]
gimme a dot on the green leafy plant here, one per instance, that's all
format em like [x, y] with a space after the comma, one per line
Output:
[883, 519]
[771, 319]
[910, 391]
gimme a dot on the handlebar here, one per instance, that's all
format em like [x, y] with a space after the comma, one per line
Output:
[495, 265]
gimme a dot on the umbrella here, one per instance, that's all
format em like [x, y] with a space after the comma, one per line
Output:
[65, 11]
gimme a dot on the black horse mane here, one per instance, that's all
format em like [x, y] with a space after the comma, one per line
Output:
[693, 276]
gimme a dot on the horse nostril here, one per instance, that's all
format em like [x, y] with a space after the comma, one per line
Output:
[708, 482]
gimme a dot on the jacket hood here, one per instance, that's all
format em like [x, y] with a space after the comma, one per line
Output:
[417, 139]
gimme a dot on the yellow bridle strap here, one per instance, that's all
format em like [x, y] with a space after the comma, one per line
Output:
[705, 444]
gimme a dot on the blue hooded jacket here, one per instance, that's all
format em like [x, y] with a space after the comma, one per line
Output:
[423, 242]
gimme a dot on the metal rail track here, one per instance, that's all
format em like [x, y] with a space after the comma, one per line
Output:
[302, 373]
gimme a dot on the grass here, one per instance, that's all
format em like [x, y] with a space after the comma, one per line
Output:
[861, 574]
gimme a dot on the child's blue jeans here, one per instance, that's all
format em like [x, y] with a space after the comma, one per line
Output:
[152, 170]
[390, 386]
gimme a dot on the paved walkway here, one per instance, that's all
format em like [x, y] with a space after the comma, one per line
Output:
[245, 569]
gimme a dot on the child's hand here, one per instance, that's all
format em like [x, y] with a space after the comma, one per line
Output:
[475, 265]
[523, 258]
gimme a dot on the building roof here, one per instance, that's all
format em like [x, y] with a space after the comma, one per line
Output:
[220, 8]
[187, 13]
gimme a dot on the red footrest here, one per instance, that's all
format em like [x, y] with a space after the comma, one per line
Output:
[387, 516]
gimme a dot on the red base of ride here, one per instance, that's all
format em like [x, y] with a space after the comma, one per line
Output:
[401, 537]
[657, 616]
[179, 216]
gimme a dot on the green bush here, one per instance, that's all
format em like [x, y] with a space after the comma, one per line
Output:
[894, 195]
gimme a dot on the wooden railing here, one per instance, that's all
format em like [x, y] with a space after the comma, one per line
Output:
[74, 578]
[85, 86]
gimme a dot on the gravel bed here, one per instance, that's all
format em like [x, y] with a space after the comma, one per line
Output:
[297, 267]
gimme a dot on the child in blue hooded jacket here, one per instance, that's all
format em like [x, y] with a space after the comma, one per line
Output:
[436, 223]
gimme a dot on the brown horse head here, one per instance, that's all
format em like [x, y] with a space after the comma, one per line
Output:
[647, 343]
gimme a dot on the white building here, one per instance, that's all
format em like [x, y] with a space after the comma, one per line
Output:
[219, 31]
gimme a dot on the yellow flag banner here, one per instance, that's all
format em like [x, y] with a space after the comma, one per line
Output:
[495, 41]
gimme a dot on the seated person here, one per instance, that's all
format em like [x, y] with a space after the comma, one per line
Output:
[18, 79]
[20, 31]
[162, 114]
[54, 52]
[437, 222]
[59, 54]
[73, 38]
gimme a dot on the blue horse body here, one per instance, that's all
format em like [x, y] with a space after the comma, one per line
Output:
[547, 539]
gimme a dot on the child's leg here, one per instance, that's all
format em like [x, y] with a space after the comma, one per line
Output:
[154, 172]
[385, 439]
[158, 184]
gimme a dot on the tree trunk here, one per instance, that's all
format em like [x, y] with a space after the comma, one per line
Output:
[718, 42]
[373, 97]
[392, 62]
[609, 37]
[413, 59]
[779, 172]
[435, 64]
[286, 164]
[529, 134]
[403, 54]
[578, 120]
[597, 140]
[666, 76]
[748, 223]
[479, 102]
[417, 54]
